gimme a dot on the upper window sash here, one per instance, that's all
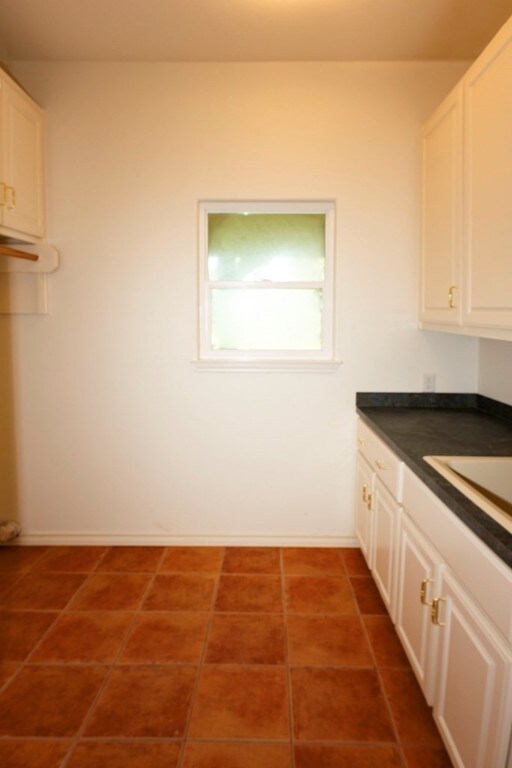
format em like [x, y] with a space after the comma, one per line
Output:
[207, 284]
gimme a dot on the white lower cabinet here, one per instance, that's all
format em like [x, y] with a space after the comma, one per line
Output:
[379, 481]
[450, 597]
[419, 572]
[461, 661]
[385, 526]
[364, 514]
[473, 702]
[376, 523]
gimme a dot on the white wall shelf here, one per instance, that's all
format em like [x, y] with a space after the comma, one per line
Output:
[23, 285]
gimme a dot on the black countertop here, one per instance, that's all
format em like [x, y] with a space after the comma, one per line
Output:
[417, 425]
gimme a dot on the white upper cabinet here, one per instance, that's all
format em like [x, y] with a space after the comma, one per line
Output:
[466, 275]
[488, 186]
[442, 210]
[21, 164]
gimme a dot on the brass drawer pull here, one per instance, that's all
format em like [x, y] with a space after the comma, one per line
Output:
[379, 464]
[451, 302]
[12, 204]
[365, 488]
[434, 611]
[3, 200]
[369, 500]
[423, 592]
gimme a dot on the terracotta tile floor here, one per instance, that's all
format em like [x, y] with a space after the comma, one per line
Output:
[195, 657]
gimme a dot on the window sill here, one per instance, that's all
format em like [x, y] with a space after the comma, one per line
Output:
[267, 366]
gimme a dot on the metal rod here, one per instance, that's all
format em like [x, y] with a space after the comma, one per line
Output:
[6, 250]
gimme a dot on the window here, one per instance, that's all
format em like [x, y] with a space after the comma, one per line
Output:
[266, 282]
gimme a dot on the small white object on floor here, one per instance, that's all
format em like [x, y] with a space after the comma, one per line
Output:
[9, 529]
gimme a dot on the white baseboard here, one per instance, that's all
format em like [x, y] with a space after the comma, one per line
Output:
[190, 540]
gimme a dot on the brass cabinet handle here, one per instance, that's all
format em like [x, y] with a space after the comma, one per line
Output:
[379, 464]
[361, 442]
[451, 303]
[423, 591]
[369, 500]
[434, 611]
[365, 488]
[3, 200]
[12, 204]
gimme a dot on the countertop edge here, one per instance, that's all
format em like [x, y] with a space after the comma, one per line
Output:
[468, 512]
[430, 400]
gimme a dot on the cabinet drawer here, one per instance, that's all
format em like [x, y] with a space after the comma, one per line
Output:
[383, 461]
[483, 574]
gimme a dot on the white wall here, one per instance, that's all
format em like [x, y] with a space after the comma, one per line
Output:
[117, 434]
[495, 370]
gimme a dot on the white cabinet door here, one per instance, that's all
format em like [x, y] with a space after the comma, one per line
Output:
[442, 213]
[418, 573]
[385, 521]
[22, 163]
[488, 186]
[364, 515]
[473, 703]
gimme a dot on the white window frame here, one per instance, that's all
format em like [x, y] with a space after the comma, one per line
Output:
[322, 359]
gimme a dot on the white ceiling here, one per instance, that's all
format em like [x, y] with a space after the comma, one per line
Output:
[247, 30]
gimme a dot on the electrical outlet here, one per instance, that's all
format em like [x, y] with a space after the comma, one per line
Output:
[429, 382]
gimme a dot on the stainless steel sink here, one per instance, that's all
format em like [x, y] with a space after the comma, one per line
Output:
[485, 480]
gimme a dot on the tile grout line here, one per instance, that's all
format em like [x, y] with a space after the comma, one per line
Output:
[200, 665]
[287, 660]
[398, 743]
[346, 577]
[110, 668]
[57, 611]
[60, 611]
[233, 664]
[19, 575]
[374, 664]
[37, 559]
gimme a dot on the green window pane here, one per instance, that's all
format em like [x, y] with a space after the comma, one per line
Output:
[266, 318]
[281, 247]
